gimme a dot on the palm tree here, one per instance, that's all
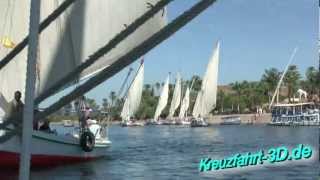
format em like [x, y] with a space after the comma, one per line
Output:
[270, 79]
[92, 104]
[158, 85]
[312, 79]
[221, 96]
[112, 96]
[292, 81]
[196, 83]
[311, 84]
[105, 104]
[147, 87]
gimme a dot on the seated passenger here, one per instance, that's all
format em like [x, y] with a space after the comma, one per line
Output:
[46, 127]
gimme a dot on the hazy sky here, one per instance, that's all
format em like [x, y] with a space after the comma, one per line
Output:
[254, 35]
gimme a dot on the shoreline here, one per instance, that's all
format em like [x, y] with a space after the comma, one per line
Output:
[213, 120]
[252, 118]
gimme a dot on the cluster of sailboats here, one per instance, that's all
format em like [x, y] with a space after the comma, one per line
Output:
[204, 104]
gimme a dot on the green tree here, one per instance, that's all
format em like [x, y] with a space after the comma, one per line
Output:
[158, 85]
[238, 88]
[291, 80]
[196, 80]
[105, 104]
[220, 100]
[92, 104]
[147, 87]
[270, 79]
[311, 82]
[112, 97]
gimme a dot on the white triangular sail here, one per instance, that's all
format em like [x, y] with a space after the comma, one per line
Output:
[185, 104]
[176, 98]
[133, 97]
[207, 96]
[163, 100]
[80, 31]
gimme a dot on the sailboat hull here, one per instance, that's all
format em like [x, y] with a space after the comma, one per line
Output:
[183, 122]
[198, 123]
[50, 149]
[154, 122]
[131, 124]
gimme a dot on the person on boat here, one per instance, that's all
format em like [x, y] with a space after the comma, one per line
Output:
[15, 110]
[45, 127]
[83, 112]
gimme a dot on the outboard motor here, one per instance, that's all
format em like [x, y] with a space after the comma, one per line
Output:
[87, 140]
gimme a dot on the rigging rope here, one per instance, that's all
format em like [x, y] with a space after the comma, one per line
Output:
[124, 83]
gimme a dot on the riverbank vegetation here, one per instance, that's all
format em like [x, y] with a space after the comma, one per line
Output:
[237, 97]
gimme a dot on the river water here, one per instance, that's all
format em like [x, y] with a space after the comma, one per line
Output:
[171, 152]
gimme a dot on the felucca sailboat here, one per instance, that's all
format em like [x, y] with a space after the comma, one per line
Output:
[183, 115]
[162, 103]
[207, 96]
[133, 99]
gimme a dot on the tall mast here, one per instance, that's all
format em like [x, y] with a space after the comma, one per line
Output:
[25, 154]
[276, 93]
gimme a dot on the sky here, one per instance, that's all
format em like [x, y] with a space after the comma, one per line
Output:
[254, 35]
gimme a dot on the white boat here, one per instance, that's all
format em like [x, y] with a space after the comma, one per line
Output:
[152, 122]
[51, 149]
[199, 122]
[67, 123]
[231, 120]
[303, 114]
[133, 99]
[63, 46]
[131, 123]
[162, 103]
[207, 96]
[184, 122]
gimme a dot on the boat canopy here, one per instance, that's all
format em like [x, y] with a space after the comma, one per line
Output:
[294, 104]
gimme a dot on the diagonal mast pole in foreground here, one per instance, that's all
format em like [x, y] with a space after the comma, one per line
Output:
[130, 57]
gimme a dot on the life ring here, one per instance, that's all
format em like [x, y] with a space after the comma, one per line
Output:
[87, 141]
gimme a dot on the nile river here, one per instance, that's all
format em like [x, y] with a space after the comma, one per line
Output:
[171, 152]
